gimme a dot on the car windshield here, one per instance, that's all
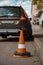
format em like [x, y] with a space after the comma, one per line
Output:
[10, 11]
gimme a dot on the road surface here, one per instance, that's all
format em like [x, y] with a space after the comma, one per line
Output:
[9, 46]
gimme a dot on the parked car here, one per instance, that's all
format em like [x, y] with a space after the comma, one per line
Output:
[35, 20]
[12, 20]
[36, 23]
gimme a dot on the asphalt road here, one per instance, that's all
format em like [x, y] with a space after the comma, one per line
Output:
[37, 30]
[7, 50]
[41, 39]
[10, 45]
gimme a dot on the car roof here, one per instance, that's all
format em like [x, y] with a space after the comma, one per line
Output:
[10, 6]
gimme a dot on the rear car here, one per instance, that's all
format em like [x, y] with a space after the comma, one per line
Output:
[12, 20]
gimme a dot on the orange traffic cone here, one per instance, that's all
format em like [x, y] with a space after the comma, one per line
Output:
[21, 52]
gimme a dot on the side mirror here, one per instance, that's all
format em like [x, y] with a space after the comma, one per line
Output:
[30, 19]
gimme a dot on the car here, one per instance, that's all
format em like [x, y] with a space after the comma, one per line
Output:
[34, 22]
[12, 20]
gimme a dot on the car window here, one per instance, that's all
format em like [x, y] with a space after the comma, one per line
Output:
[10, 11]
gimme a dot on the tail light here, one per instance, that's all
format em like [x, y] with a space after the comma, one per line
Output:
[23, 19]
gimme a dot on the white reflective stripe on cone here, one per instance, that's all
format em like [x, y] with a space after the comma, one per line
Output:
[21, 46]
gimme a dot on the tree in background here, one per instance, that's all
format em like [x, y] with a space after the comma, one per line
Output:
[35, 2]
[39, 4]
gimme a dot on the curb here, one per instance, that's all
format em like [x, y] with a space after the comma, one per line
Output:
[41, 25]
[39, 48]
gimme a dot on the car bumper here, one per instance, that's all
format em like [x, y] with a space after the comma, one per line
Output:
[9, 30]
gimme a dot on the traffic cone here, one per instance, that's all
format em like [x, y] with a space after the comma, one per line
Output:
[21, 52]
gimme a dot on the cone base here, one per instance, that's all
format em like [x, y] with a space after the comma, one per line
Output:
[17, 56]
[22, 55]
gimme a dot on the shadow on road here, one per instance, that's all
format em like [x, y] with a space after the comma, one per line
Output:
[15, 39]
[38, 35]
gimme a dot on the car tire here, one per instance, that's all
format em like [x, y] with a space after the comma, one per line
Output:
[29, 36]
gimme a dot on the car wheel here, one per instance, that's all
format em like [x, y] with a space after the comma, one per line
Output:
[29, 36]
